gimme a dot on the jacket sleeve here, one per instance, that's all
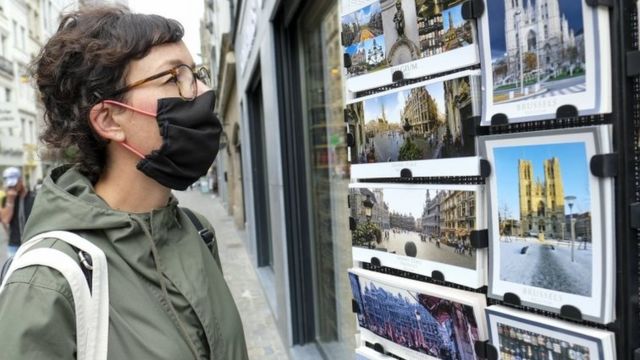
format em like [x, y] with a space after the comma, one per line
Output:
[36, 322]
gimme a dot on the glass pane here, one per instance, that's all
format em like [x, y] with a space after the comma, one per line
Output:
[328, 182]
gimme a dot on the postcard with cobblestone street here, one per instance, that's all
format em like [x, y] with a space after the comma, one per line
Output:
[417, 123]
[419, 228]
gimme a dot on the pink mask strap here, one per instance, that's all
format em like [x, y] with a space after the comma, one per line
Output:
[132, 149]
[113, 102]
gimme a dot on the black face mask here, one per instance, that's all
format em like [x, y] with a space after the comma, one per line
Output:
[190, 141]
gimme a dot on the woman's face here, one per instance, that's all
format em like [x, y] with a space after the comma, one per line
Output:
[140, 130]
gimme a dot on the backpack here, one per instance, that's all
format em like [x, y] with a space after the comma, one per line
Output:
[89, 286]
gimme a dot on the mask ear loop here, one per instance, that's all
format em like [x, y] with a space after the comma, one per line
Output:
[124, 144]
[132, 149]
[113, 102]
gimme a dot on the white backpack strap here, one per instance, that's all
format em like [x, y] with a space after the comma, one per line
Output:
[77, 282]
[94, 322]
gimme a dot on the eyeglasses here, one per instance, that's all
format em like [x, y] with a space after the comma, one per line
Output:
[184, 76]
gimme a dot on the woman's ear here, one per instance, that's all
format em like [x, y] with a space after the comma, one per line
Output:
[101, 118]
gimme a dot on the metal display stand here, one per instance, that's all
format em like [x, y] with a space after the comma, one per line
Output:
[623, 164]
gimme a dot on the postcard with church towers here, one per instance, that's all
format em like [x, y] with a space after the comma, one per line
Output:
[420, 228]
[550, 220]
[424, 121]
[417, 320]
[414, 37]
[539, 55]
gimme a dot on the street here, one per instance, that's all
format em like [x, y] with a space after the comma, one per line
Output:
[387, 146]
[548, 89]
[563, 87]
[546, 265]
[428, 250]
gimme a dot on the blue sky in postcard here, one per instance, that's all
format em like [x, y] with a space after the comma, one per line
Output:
[573, 168]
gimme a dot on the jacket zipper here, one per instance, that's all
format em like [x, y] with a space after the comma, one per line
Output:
[156, 259]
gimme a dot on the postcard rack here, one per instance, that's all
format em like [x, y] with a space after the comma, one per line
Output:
[617, 164]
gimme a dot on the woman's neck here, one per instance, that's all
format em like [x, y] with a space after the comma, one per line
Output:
[129, 190]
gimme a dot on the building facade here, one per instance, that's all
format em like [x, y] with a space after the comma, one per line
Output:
[538, 28]
[402, 221]
[420, 111]
[431, 214]
[216, 43]
[430, 26]
[279, 80]
[457, 219]
[379, 214]
[24, 28]
[404, 321]
[541, 202]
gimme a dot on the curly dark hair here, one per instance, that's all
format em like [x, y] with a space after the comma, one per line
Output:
[83, 63]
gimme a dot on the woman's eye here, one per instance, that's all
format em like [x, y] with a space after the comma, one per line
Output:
[171, 79]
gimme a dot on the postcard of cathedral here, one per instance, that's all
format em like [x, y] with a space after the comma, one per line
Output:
[428, 120]
[538, 55]
[416, 320]
[522, 335]
[420, 228]
[550, 220]
[415, 37]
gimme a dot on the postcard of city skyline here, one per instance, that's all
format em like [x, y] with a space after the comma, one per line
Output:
[433, 27]
[552, 61]
[428, 324]
[415, 124]
[405, 216]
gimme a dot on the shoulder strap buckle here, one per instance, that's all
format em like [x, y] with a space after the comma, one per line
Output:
[207, 236]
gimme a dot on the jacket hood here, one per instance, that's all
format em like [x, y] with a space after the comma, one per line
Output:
[67, 201]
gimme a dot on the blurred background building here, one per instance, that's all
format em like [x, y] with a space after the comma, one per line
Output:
[24, 27]
[283, 172]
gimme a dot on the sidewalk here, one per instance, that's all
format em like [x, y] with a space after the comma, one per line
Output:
[263, 340]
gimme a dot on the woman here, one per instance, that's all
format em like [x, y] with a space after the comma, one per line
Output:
[121, 92]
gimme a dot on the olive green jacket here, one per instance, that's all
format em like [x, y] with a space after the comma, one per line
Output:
[37, 318]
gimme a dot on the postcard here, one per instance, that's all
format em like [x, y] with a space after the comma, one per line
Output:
[429, 120]
[416, 38]
[550, 220]
[420, 228]
[540, 55]
[518, 334]
[416, 320]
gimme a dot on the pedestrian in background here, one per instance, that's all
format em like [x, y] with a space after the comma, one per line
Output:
[123, 89]
[16, 207]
